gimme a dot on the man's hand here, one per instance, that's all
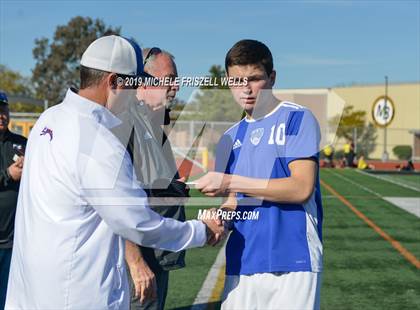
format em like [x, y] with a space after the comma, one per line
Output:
[143, 277]
[213, 184]
[15, 169]
[214, 227]
[144, 282]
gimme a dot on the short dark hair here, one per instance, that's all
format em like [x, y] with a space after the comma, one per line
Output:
[90, 77]
[250, 52]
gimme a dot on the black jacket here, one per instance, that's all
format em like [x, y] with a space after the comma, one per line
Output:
[10, 145]
[153, 161]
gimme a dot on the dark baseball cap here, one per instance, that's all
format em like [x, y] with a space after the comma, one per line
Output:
[3, 98]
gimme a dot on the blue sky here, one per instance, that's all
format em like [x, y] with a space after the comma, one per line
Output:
[314, 43]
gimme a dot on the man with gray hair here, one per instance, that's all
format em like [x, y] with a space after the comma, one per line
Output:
[156, 170]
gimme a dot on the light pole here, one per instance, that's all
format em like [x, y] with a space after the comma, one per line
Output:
[385, 155]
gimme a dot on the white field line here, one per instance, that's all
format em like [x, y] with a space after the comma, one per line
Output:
[390, 181]
[356, 184]
[204, 295]
[407, 204]
[347, 196]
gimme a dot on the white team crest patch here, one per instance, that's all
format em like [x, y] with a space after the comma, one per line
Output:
[256, 135]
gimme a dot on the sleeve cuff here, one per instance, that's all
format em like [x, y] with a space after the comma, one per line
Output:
[199, 234]
[313, 158]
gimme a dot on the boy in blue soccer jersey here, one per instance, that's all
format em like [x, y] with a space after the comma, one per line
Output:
[268, 162]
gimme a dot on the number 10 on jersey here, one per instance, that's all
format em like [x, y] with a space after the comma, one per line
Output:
[278, 134]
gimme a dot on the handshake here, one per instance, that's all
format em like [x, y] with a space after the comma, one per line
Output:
[165, 192]
[215, 228]
[215, 184]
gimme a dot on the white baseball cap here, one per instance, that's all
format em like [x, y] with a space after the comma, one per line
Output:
[114, 54]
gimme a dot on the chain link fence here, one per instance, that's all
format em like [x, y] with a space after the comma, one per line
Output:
[368, 140]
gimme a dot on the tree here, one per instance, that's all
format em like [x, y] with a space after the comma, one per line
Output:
[366, 140]
[352, 125]
[13, 83]
[25, 107]
[349, 120]
[214, 103]
[57, 62]
[403, 152]
[176, 106]
[216, 73]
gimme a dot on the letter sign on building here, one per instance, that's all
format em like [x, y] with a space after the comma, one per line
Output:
[383, 111]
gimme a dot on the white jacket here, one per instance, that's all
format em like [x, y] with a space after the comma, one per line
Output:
[78, 197]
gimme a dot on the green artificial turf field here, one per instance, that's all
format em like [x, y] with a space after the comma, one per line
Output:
[185, 283]
[362, 270]
[410, 180]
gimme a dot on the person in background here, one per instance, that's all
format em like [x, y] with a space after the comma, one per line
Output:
[408, 167]
[349, 154]
[80, 192]
[153, 162]
[329, 154]
[12, 148]
[363, 165]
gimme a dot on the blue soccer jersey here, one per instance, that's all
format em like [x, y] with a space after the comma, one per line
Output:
[285, 237]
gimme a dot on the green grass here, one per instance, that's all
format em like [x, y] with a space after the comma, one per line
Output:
[410, 180]
[383, 188]
[185, 283]
[361, 270]
[398, 223]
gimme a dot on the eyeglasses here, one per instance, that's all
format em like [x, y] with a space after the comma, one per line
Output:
[153, 51]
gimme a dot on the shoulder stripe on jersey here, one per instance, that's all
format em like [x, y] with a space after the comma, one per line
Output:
[294, 104]
[234, 125]
[290, 106]
[293, 123]
[274, 110]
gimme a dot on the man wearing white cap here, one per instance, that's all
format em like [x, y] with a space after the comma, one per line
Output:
[79, 197]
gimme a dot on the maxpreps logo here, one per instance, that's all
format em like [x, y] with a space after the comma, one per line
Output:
[225, 215]
[47, 131]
